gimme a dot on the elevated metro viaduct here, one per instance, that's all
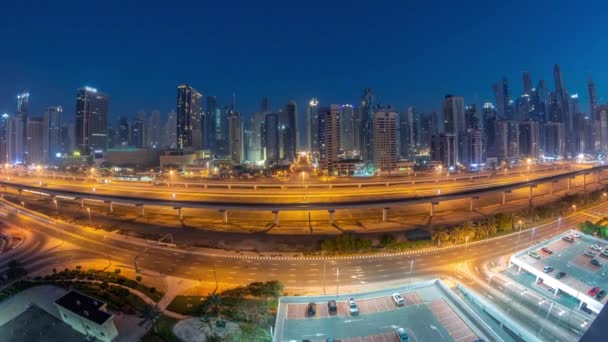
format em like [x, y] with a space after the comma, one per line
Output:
[330, 206]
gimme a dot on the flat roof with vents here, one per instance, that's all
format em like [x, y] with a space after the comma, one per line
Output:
[84, 306]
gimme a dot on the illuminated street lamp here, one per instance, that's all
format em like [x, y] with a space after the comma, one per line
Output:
[574, 207]
[56, 206]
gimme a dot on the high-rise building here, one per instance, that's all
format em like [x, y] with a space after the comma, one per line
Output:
[23, 102]
[527, 83]
[541, 99]
[603, 127]
[91, 124]
[529, 139]
[312, 126]
[209, 123]
[444, 149]
[489, 132]
[16, 140]
[594, 117]
[257, 137]
[347, 125]
[123, 132]
[365, 118]
[189, 116]
[473, 148]
[235, 136]
[271, 134]
[329, 138]
[154, 130]
[507, 140]
[4, 122]
[35, 141]
[171, 130]
[221, 148]
[503, 98]
[454, 120]
[138, 133]
[52, 133]
[471, 117]
[554, 140]
[265, 105]
[288, 130]
[408, 133]
[386, 140]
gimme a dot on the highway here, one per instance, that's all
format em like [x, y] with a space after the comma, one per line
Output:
[295, 199]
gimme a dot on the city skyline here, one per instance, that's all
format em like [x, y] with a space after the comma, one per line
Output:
[417, 73]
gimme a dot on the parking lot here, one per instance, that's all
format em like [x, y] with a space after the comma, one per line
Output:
[427, 315]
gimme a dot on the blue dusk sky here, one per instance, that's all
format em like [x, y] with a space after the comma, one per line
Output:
[411, 53]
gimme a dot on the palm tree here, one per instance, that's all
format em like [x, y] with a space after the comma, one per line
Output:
[150, 313]
[211, 312]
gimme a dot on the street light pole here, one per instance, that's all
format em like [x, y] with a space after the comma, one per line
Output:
[324, 260]
[337, 280]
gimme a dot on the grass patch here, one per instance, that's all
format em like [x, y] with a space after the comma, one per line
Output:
[185, 305]
[162, 331]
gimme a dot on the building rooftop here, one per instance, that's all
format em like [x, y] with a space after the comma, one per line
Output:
[84, 306]
[35, 324]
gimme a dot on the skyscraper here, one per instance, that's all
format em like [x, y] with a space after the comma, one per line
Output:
[288, 128]
[329, 138]
[454, 121]
[209, 123]
[235, 136]
[444, 149]
[52, 131]
[554, 140]
[471, 117]
[489, 132]
[257, 137]
[594, 115]
[473, 148]
[503, 98]
[154, 130]
[312, 126]
[507, 140]
[529, 139]
[347, 125]
[366, 113]
[265, 105]
[23, 102]
[189, 115]
[271, 137]
[527, 83]
[171, 130]
[91, 124]
[386, 140]
[35, 141]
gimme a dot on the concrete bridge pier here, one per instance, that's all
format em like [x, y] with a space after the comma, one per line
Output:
[331, 215]
[224, 213]
[111, 205]
[385, 214]
[142, 208]
[432, 211]
[179, 213]
[471, 202]
[276, 217]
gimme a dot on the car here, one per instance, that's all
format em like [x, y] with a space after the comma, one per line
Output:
[311, 309]
[604, 254]
[568, 238]
[600, 295]
[596, 247]
[330, 339]
[398, 299]
[589, 254]
[332, 307]
[595, 262]
[575, 234]
[560, 275]
[534, 255]
[352, 307]
[548, 269]
[546, 250]
[402, 335]
[594, 291]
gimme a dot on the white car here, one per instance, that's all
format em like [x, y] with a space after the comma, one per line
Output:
[589, 254]
[352, 307]
[595, 247]
[398, 299]
[575, 234]
[534, 255]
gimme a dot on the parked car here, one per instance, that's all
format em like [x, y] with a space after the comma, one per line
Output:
[548, 269]
[568, 238]
[596, 247]
[594, 291]
[600, 295]
[589, 254]
[352, 307]
[595, 262]
[560, 275]
[332, 307]
[311, 309]
[534, 255]
[575, 234]
[398, 299]
[604, 254]
[402, 335]
[546, 250]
